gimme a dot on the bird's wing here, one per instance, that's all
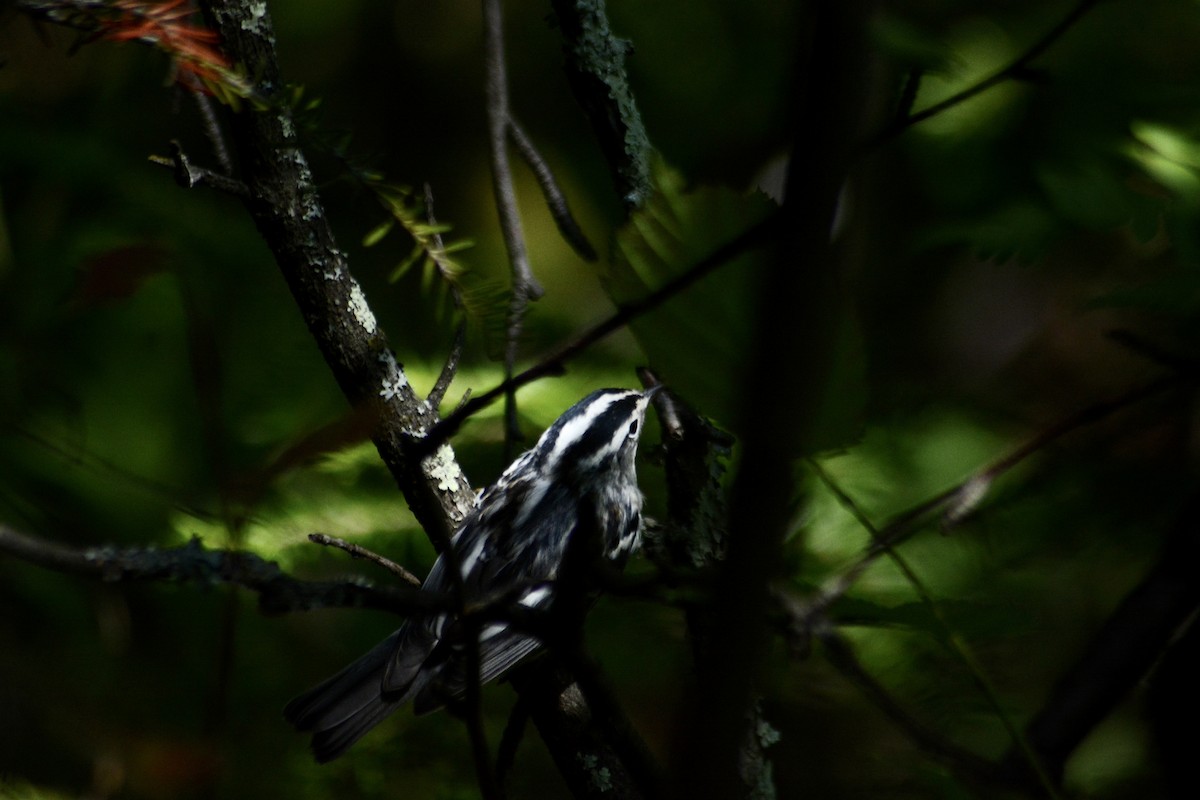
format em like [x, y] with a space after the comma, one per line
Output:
[501, 647]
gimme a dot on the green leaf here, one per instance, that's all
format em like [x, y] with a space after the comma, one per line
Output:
[376, 234]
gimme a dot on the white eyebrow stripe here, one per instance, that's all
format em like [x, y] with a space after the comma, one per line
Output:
[570, 432]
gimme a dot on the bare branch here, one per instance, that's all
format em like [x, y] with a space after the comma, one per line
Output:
[450, 368]
[514, 731]
[525, 286]
[555, 363]
[1018, 69]
[212, 129]
[189, 176]
[358, 551]
[962, 498]
[278, 592]
[556, 201]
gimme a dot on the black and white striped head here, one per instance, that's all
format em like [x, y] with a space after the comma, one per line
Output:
[597, 436]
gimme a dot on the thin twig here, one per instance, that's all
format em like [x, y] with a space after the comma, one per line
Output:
[358, 551]
[76, 457]
[439, 247]
[908, 95]
[525, 286]
[1154, 353]
[450, 368]
[1017, 69]
[189, 176]
[957, 501]
[514, 731]
[556, 201]
[485, 774]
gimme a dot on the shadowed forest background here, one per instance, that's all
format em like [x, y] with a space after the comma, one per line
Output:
[1013, 354]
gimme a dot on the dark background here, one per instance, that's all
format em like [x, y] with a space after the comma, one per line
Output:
[153, 368]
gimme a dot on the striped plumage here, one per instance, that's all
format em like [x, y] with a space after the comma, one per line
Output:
[514, 539]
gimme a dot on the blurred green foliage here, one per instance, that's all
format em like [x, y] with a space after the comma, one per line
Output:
[156, 382]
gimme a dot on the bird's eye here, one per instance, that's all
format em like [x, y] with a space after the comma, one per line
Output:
[633, 426]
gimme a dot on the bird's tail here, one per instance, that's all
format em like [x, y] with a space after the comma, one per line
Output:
[340, 710]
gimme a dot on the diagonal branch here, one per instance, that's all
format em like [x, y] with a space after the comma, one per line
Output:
[556, 201]
[1016, 70]
[283, 201]
[555, 363]
[955, 503]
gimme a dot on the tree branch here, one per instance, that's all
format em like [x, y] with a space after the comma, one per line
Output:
[285, 206]
[555, 363]
[954, 504]
[595, 69]
[556, 201]
[358, 551]
[525, 286]
[287, 210]
[1018, 69]
[278, 592]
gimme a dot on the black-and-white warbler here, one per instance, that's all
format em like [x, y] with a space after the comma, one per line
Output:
[514, 541]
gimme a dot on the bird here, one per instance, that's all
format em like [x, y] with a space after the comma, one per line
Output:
[579, 480]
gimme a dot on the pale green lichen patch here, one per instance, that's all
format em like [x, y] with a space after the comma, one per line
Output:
[361, 310]
[257, 20]
[600, 776]
[392, 386]
[444, 469]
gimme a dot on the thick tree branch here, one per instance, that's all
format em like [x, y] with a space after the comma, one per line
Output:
[285, 206]
[595, 68]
